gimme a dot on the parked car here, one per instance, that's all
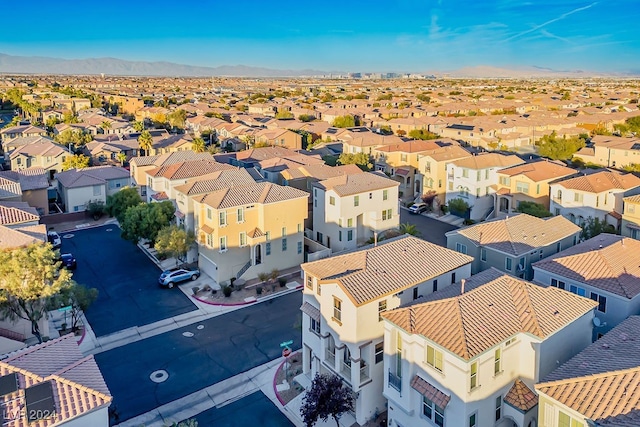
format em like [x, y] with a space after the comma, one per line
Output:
[169, 278]
[54, 239]
[418, 208]
[68, 261]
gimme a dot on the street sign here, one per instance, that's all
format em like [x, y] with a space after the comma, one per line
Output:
[67, 308]
[286, 343]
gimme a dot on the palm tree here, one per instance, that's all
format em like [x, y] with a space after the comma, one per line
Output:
[410, 229]
[105, 125]
[198, 145]
[121, 158]
[146, 141]
[138, 126]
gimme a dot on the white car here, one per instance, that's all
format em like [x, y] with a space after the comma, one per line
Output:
[54, 239]
[418, 208]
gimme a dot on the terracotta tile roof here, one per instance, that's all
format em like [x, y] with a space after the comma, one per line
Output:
[263, 193]
[216, 181]
[539, 171]
[488, 160]
[9, 188]
[169, 158]
[16, 213]
[518, 234]
[430, 391]
[159, 197]
[598, 182]
[19, 237]
[346, 185]
[189, 169]
[255, 233]
[447, 153]
[310, 311]
[409, 147]
[496, 307]
[606, 261]
[263, 153]
[632, 199]
[394, 265]
[521, 397]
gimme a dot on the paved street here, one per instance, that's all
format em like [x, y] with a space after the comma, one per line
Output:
[219, 348]
[431, 229]
[126, 279]
[255, 410]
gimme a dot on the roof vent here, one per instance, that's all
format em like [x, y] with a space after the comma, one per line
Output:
[462, 282]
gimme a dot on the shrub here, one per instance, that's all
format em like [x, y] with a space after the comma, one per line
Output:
[259, 290]
[458, 205]
[282, 281]
[226, 290]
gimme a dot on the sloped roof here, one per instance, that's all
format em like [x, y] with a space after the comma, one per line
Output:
[263, 192]
[19, 237]
[395, 264]
[539, 171]
[518, 234]
[345, 185]
[496, 307]
[488, 160]
[216, 181]
[598, 182]
[29, 179]
[430, 391]
[188, 169]
[521, 397]
[169, 158]
[17, 212]
[606, 261]
[96, 175]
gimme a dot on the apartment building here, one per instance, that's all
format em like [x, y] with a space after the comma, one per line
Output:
[343, 300]
[433, 168]
[348, 210]
[470, 355]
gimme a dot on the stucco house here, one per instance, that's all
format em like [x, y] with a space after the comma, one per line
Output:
[78, 187]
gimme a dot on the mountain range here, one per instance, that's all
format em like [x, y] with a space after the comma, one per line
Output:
[10, 64]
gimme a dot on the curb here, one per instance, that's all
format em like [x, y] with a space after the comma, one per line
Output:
[223, 304]
[276, 376]
[84, 333]
[76, 228]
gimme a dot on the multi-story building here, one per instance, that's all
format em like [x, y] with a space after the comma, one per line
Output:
[250, 229]
[612, 151]
[470, 355]
[473, 180]
[348, 210]
[78, 187]
[631, 217]
[344, 297]
[512, 244]
[433, 168]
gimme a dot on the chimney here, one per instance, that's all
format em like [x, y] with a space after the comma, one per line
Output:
[462, 282]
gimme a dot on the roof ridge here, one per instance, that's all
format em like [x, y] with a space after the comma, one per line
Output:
[82, 387]
[457, 301]
[36, 347]
[74, 364]
[532, 312]
[605, 260]
[588, 377]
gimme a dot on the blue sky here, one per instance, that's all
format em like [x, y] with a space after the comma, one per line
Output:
[393, 35]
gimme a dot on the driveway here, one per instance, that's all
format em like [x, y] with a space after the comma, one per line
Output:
[255, 410]
[430, 229]
[199, 355]
[127, 281]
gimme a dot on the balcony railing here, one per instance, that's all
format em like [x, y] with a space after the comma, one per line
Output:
[364, 373]
[331, 358]
[346, 371]
[395, 381]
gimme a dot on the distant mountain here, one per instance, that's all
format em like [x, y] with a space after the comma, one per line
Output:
[119, 67]
[524, 72]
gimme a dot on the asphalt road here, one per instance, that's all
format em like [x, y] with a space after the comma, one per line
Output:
[225, 346]
[127, 281]
[255, 410]
[430, 229]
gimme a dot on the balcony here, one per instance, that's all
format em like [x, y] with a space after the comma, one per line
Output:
[395, 381]
[346, 371]
[364, 373]
[330, 358]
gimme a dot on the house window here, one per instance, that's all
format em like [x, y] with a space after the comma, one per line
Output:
[398, 363]
[300, 228]
[415, 293]
[435, 285]
[473, 420]
[379, 352]
[240, 215]
[522, 187]
[498, 407]
[577, 290]
[631, 209]
[382, 306]
[299, 247]
[340, 235]
[310, 282]
[268, 248]
[478, 175]
[97, 190]
[350, 235]
[508, 264]
[315, 325]
[601, 300]
[461, 248]
[222, 218]
[350, 222]
[483, 254]
[386, 214]
[337, 309]
[385, 194]
[557, 283]
[284, 244]
[332, 201]
[209, 240]
[284, 231]
[505, 181]
[474, 375]
[510, 341]
[434, 358]
[403, 157]
[465, 173]
[243, 239]
[497, 365]
[558, 247]
[356, 200]
[267, 235]
[453, 278]
[577, 197]
[223, 244]
[432, 411]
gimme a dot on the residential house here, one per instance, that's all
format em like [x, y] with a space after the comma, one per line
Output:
[243, 231]
[348, 210]
[596, 387]
[252, 157]
[593, 195]
[279, 138]
[469, 355]
[513, 243]
[43, 154]
[12, 237]
[433, 168]
[18, 214]
[10, 145]
[78, 187]
[363, 140]
[605, 268]
[526, 183]
[27, 185]
[21, 131]
[631, 217]
[472, 179]
[54, 384]
[345, 297]
[611, 151]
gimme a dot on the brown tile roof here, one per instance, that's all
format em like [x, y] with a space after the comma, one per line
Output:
[216, 181]
[189, 169]
[19, 237]
[430, 391]
[263, 153]
[263, 193]
[40, 148]
[606, 261]
[346, 185]
[409, 147]
[448, 153]
[518, 234]
[598, 182]
[255, 233]
[539, 171]
[496, 307]
[488, 160]
[521, 397]
[632, 199]
[394, 265]
[161, 196]
[169, 158]
[17, 212]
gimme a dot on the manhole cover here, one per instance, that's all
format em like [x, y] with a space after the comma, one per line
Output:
[159, 376]
[187, 334]
[200, 327]
[109, 229]
[68, 236]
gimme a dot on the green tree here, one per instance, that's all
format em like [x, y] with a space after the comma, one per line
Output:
[118, 203]
[145, 141]
[594, 226]
[362, 160]
[175, 242]
[14, 122]
[458, 205]
[51, 123]
[145, 220]
[198, 145]
[347, 121]
[422, 134]
[79, 298]
[534, 209]
[306, 117]
[121, 157]
[138, 126]
[96, 208]
[177, 118]
[68, 117]
[284, 115]
[105, 125]
[77, 137]
[77, 161]
[556, 148]
[411, 229]
[327, 397]
[424, 97]
[30, 278]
